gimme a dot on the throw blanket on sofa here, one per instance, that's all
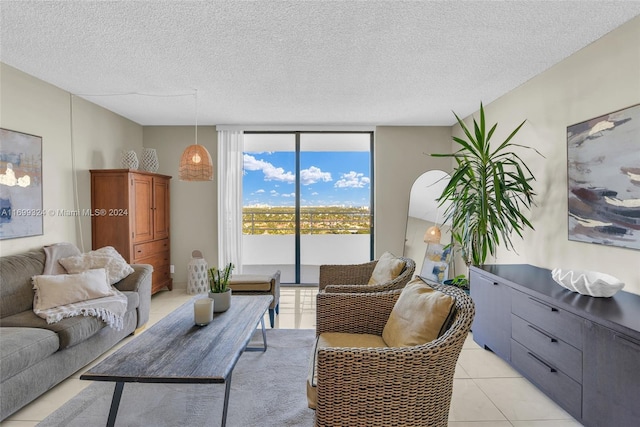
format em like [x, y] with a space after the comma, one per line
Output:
[109, 309]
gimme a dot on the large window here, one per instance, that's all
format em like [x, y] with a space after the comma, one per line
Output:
[307, 202]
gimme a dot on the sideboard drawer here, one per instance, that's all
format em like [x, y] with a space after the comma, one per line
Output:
[549, 318]
[566, 358]
[144, 250]
[552, 381]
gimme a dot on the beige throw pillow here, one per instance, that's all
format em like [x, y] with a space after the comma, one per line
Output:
[107, 258]
[62, 289]
[387, 268]
[420, 315]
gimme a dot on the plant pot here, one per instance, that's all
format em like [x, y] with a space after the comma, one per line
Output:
[465, 288]
[221, 301]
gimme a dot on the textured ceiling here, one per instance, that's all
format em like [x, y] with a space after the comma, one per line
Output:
[295, 62]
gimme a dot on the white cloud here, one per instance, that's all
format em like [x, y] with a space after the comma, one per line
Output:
[271, 173]
[313, 175]
[352, 180]
[315, 193]
[273, 192]
[289, 195]
[259, 191]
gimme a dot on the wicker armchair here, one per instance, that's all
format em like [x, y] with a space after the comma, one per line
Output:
[408, 386]
[354, 277]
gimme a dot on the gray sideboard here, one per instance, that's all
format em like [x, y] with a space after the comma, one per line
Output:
[582, 352]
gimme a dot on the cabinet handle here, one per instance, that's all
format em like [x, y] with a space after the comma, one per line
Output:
[549, 307]
[542, 362]
[541, 332]
[626, 341]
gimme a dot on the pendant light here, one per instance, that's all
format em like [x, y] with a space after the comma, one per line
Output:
[196, 164]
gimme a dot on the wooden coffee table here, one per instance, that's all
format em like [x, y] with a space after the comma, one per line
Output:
[175, 350]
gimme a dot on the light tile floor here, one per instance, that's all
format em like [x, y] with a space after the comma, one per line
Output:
[487, 392]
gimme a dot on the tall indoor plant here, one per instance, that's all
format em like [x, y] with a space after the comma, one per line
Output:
[489, 190]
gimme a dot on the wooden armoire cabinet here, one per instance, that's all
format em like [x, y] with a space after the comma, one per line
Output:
[130, 211]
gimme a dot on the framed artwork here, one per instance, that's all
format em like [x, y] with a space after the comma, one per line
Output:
[20, 185]
[435, 266]
[603, 156]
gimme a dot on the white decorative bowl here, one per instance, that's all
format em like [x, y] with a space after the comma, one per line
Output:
[589, 283]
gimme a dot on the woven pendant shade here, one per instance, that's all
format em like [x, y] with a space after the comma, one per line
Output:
[195, 164]
[433, 235]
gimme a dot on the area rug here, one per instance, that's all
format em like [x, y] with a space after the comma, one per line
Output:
[267, 388]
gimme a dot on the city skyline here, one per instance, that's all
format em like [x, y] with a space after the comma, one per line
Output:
[326, 178]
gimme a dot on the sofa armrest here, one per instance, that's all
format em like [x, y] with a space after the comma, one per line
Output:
[358, 313]
[139, 281]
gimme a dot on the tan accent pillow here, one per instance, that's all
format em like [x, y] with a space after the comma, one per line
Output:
[62, 289]
[420, 315]
[387, 268]
[107, 258]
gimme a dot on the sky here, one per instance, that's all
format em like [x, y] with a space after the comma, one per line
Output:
[326, 178]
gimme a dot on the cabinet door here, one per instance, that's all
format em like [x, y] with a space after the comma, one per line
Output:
[142, 206]
[109, 194]
[161, 208]
[611, 379]
[492, 324]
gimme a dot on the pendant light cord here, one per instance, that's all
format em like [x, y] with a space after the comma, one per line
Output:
[196, 96]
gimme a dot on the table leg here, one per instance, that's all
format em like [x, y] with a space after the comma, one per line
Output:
[264, 339]
[115, 403]
[225, 406]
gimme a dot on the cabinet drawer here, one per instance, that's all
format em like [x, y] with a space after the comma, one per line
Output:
[562, 389]
[558, 353]
[143, 250]
[549, 318]
[161, 268]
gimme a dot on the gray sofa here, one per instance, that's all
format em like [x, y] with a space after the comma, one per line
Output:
[35, 356]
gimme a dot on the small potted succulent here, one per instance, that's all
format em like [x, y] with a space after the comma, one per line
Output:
[219, 290]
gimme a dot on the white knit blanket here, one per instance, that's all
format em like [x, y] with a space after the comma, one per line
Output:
[109, 309]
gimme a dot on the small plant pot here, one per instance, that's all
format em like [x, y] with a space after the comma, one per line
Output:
[221, 301]
[465, 288]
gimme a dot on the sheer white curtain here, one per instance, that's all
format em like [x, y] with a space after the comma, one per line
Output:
[230, 147]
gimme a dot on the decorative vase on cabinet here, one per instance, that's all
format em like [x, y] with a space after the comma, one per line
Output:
[149, 160]
[129, 159]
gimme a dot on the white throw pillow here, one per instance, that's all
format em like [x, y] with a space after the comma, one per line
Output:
[62, 289]
[107, 258]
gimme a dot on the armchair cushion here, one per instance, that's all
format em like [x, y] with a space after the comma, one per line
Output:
[420, 315]
[387, 268]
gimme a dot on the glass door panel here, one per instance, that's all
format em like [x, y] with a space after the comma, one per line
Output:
[268, 187]
[335, 201]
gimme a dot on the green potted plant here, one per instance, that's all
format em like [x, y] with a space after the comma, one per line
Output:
[219, 290]
[460, 281]
[490, 191]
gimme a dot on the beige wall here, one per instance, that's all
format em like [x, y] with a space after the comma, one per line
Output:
[601, 78]
[402, 154]
[32, 106]
[194, 214]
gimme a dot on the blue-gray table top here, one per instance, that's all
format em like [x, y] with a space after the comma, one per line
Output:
[175, 350]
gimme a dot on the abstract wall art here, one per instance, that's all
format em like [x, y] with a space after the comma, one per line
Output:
[603, 156]
[21, 212]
